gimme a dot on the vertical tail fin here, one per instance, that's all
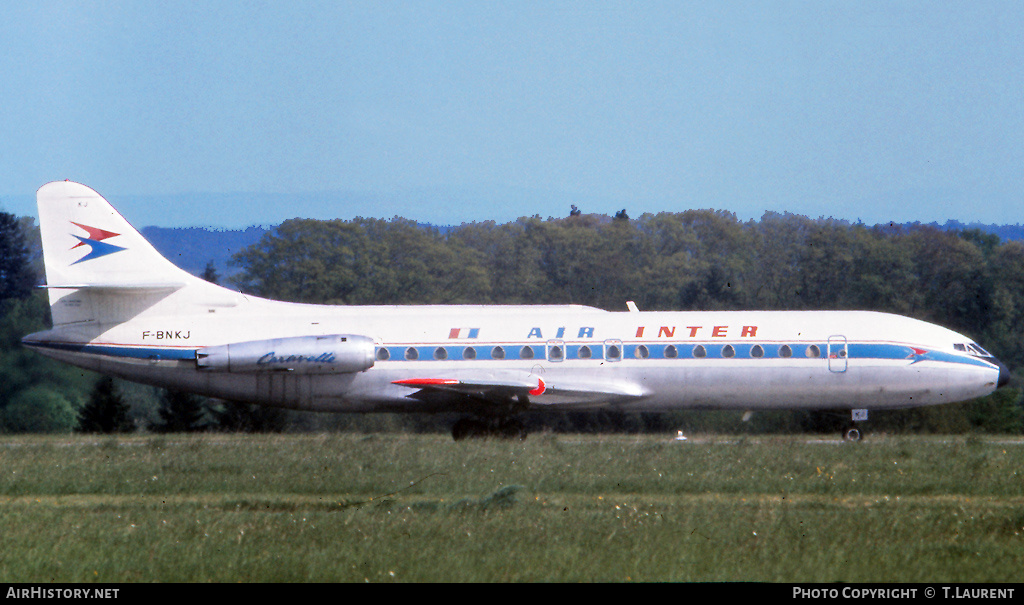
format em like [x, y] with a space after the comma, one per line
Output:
[98, 267]
[87, 243]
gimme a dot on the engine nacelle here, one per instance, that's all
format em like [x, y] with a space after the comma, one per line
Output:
[333, 354]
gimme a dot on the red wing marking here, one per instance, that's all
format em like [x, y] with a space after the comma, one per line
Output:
[425, 382]
[454, 382]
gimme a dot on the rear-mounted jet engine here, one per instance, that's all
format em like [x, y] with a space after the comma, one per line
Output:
[333, 354]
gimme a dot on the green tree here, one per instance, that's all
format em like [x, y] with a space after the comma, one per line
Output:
[233, 416]
[780, 240]
[210, 273]
[22, 369]
[826, 264]
[180, 412]
[885, 277]
[16, 275]
[426, 267]
[510, 261]
[1000, 412]
[722, 273]
[366, 261]
[38, 409]
[668, 264]
[1004, 334]
[105, 411]
[952, 279]
[305, 260]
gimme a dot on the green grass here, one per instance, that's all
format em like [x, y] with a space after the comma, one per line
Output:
[553, 508]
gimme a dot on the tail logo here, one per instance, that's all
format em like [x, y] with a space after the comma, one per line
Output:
[97, 247]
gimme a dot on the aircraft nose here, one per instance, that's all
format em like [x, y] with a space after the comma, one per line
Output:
[1004, 375]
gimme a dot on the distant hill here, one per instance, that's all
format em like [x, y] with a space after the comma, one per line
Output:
[1005, 232]
[191, 248]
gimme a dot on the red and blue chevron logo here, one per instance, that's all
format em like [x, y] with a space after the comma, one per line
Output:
[97, 247]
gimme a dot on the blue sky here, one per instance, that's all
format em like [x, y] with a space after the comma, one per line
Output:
[235, 113]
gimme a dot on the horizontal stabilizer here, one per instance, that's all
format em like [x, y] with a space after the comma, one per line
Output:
[114, 288]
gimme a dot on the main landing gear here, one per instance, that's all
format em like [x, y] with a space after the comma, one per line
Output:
[501, 428]
[852, 432]
[501, 418]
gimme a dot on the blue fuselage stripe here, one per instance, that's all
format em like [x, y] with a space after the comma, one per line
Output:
[597, 351]
[118, 351]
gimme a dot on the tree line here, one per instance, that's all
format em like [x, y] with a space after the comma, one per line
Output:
[966, 280]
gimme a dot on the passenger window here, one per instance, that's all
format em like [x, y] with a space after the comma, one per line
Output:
[642, 352]
[699, 352]
[469, 353]
[497, 353]
[440, 353]
[757, 351]
[671, 352]
[383, 354]
[614, 352]
[785, 351]
[526, 353]
[555, 353]
[813, 351]
[585, 352]
[728, 351]
[412, 354]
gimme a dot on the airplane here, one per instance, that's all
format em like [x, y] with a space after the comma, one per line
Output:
[120, 308]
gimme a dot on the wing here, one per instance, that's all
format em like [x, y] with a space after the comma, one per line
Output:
[527, 389]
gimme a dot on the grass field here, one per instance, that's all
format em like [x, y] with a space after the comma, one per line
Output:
[553, 508]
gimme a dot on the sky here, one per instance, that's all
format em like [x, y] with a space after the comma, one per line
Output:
[228, 114]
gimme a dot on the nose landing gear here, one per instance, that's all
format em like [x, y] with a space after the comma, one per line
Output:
[852, 432]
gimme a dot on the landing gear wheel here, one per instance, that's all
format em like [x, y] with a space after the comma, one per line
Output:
[852, 434]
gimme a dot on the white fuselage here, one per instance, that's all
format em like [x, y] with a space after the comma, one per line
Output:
[584, 356]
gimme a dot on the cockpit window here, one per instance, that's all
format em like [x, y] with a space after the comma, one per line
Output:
[978, 350]
[971, 348]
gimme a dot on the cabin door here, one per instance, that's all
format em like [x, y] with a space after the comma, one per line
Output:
[837, 353]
